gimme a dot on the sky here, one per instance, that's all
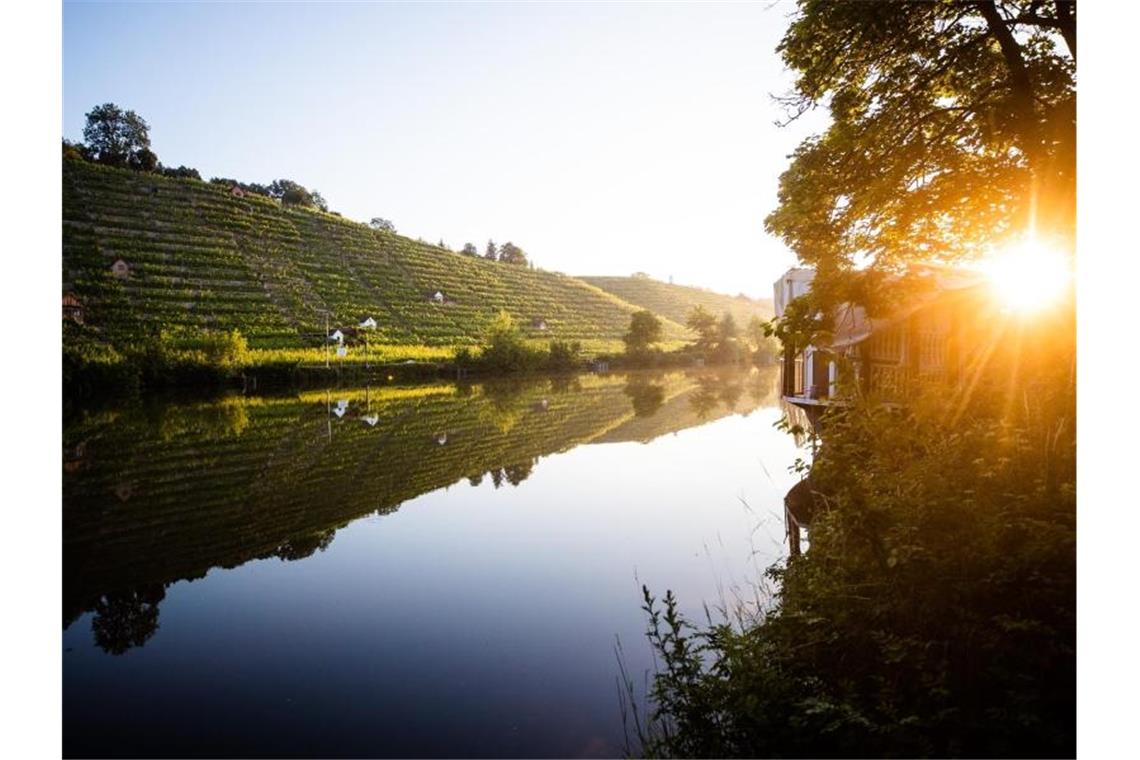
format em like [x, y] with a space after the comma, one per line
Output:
[602, 138]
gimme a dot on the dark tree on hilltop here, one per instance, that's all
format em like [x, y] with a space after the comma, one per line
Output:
[319, 200]
[113, 135]
[953, 128]
[180, 172]
[512, 254]
[380, 223]
[491, 253]
[290, 193]
[469, 250]
[143, 160]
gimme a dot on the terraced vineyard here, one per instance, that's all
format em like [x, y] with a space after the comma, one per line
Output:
[674, 302]
[197, 256]
[158, 493]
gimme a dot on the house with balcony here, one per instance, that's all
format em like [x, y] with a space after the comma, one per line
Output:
[930, 335]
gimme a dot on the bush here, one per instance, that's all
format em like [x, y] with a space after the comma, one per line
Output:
[505, 349]
[92, 365]
[564, 355]
[935, 611]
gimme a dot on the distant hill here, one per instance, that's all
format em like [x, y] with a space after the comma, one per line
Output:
[674, 302]
[195, 254]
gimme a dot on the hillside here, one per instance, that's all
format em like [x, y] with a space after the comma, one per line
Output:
[198, 256]
[674, 302]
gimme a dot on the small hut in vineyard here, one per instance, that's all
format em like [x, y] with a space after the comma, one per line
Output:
[72, 308]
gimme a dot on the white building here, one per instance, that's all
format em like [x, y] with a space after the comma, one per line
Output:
[809, 374]
[792, 284]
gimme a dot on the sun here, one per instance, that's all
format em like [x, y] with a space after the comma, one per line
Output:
[1029, 275]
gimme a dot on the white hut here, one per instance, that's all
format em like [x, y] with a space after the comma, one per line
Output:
[337, 335]
[341, 407]
[369, 323]
[438, 297]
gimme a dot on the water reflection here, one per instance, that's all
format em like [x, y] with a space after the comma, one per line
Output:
[163, 492]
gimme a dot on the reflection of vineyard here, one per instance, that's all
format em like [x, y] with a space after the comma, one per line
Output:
[162, 493]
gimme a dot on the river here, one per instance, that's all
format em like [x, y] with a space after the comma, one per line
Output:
[433, 570]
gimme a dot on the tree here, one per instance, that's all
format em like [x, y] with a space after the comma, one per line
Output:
[180, 172]
[380, 223]
[644, 331]
[512, 254]
[75, 151]
[469, 250]
[143, 160]
[491, 253]
[319, 201]
[953, 130]
[114, 135]
[291, 193]
[704, 324]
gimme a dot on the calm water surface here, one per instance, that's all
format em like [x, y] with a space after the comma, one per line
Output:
[417, 571]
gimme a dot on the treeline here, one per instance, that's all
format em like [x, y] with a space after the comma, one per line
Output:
[121, 138]
[508, 253]
[718, 341]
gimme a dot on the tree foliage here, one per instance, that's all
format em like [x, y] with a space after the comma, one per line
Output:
[291, 193]
[704, 324]
[644, 331]
[115, 137]
[512, 254]
[469, 250]
[492, 253]
[952, 129]
[380, 223]
[935, 611]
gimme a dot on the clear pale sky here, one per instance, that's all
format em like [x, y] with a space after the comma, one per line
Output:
[601, 138]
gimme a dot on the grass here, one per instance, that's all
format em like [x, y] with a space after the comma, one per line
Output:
[199, 258]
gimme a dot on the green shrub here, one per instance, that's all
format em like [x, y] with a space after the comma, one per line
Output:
[935, 610]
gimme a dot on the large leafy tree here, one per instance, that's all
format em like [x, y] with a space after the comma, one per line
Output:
[512, 254]
[952, 130]
[644, 331]
[115, 136]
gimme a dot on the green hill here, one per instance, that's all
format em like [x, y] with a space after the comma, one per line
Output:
[674, 302]
[198, 256]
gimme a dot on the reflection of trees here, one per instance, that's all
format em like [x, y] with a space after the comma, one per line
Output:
[300, 547]
[646, 397]
[126, 619]
[565, 384]
[512, 473]
[517, 473]
[506, 404]
[210, 421]
[475, 479]
[705, 398]
[730, 392]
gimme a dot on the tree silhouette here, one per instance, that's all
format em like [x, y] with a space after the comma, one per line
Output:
[127, 619]
[113, 135]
